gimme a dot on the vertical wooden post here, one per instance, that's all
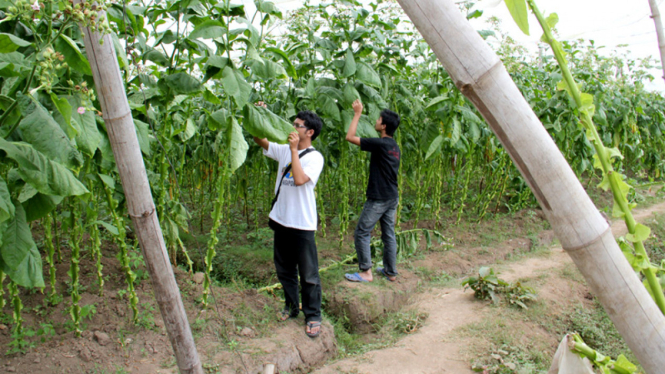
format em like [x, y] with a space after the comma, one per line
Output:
[585, 235]
[122, 135]
[655, 14]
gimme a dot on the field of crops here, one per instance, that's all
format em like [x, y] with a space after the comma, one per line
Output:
[193, 70]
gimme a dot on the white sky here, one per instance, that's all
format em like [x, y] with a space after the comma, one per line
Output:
[608, 22]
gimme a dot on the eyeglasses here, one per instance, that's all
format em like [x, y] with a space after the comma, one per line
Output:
[299, 126]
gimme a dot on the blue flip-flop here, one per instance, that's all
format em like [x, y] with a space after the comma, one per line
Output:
[355, 277]
[382, 271]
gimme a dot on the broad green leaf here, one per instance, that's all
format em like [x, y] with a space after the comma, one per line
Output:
[183, 83]
[350, 94]
[604, 184]
[437, 100]
[65, 110]
[617, 212]
[190, 130]
[641, 234]
[474, 132]
[614, 152]
[10, 43]
[48, 177]
[349, 64]
[157, 57]
[262, 123]
[87, 133]
[143, 134]
[268, 7]
[214, 66]
[267, 69]
[109, 227]
[367, 75]
[39, 205]
[328, 107]
[552, 20]
[434, 147]
[456, 131]
[624, 187]
[218, 120]
[518, 11]
[237, 145]
[73, 55]
[365, 128]
[107, 180]
[6, 205]
[209, 29]
[45, 135]
[7, 70]
[235, 85]
[587, 103]
[20, 257]
[210, 96]
[290, 69]
[625, 364]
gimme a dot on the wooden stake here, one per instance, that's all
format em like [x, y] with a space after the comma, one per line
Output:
[122, 135]
[480, 75]
[655, 14]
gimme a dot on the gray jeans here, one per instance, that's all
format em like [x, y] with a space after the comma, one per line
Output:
[373, 211]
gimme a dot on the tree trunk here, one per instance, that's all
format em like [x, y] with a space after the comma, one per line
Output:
[655, 14]
[584, 233]
[122, 135]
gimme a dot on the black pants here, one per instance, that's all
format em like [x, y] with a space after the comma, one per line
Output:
[295, 253]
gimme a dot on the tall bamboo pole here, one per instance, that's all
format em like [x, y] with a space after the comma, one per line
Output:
[128, 158]
[655, 14]
[583, 232]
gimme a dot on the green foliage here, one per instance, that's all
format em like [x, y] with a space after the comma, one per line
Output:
[488, 286]
[604, 363]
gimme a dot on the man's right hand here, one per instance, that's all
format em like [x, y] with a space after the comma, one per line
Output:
[357, 107]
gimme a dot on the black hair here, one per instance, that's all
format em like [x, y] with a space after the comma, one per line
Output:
[391, 120]
[312, 121]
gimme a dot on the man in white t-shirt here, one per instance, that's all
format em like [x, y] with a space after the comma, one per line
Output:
[293, 218]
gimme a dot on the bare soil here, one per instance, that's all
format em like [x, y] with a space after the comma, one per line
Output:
[239, 334]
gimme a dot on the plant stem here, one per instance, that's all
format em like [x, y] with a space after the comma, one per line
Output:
[603, 157]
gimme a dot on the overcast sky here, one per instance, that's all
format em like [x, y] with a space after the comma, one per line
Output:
[608, 22]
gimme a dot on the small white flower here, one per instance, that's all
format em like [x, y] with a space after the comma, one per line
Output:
[35, 6]
[81, 110]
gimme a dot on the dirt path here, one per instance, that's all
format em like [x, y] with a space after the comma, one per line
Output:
[431, 350]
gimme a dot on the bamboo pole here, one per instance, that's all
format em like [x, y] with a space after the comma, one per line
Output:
[655, 14]
[583, 232]
[127, 153]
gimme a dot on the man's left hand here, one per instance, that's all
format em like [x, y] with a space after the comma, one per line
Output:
[294, 139]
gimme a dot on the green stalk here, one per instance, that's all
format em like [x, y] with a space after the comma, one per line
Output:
[17, 334]
[123, 255]
[75, 239]
[50, 254]
[587, 122]
[2, 290]
[216, 222]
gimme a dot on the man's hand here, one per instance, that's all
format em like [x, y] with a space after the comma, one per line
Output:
[294, 139]
[357, 107]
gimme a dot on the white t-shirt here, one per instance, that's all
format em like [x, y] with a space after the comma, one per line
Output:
[296, 205]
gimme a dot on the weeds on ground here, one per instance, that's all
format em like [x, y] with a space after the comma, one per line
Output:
[488, 286]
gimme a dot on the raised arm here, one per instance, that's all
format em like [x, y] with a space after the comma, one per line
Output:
[353, 127]
[262, 142]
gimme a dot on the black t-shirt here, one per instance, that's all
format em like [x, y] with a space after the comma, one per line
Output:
[383, 167]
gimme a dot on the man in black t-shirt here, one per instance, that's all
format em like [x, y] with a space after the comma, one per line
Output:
[382, 194]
